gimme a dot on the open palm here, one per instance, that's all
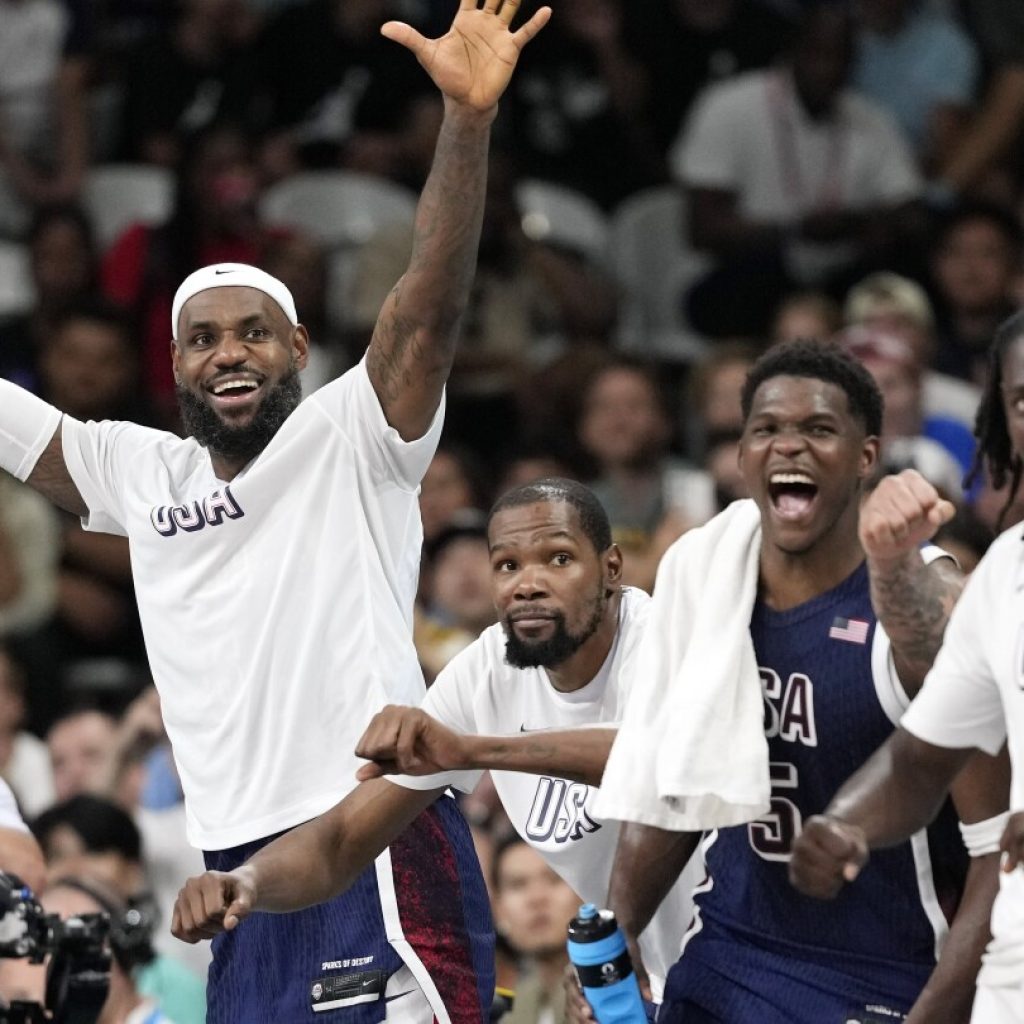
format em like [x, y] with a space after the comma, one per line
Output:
[472, 63]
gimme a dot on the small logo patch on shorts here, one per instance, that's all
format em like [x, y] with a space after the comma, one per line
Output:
[334, 991]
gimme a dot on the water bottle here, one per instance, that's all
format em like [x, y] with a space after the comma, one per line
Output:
[597, 949]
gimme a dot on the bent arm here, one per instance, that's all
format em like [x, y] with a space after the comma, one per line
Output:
[899, 789]
[322, 858]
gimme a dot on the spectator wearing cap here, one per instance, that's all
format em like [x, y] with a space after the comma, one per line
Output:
[459, 606]
[939, 447]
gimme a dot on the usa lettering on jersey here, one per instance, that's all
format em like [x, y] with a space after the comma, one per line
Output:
[789, 707]
[213, 510]
[559, 811]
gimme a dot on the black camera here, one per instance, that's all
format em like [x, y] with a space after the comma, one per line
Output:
[78, 974]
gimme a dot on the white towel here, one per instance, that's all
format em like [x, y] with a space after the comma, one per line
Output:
[691, 753]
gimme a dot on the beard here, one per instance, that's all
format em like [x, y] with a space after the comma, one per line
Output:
[557, 648]
[246, 441]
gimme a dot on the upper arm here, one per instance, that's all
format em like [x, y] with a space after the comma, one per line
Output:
[981, 790]
[51, 477]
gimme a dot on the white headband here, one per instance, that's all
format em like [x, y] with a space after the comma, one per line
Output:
[228, 275]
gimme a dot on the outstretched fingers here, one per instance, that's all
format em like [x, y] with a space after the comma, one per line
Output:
[532, 27]
[405, 35]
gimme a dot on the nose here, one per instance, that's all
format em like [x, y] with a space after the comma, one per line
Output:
[789, 442]
[531, 585]
[230, 350]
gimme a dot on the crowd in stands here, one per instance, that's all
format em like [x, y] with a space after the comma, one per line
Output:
[849, 171]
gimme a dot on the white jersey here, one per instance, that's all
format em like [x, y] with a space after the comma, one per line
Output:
[974, 697]
[277, 608]
[479, 692]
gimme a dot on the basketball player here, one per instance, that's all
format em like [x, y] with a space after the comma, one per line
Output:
[834, 684]
[555, 671]
[973, 699]
[275, 555]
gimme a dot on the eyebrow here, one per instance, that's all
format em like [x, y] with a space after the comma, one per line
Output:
[554, 535]
[246, 321]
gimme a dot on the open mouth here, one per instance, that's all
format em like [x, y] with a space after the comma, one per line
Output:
[234, 390]
[792, 494]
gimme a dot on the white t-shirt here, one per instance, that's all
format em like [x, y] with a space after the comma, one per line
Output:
[974, 697]
[10, 816]
[277, 609]
[751, 136]
[479, 692]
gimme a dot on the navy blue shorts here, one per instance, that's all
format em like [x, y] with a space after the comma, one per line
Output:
[426, 898]
[723, 979]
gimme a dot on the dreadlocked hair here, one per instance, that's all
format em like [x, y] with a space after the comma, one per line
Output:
[995, 448]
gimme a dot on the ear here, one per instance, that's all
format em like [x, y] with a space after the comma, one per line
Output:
[869, 456]
[300, 346]
[613, 567]
[176, 361]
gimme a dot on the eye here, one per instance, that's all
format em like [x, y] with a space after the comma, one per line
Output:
[505, 565]
[256, 332]
[820, 430]
[762, 430]
[562, 558]
[200, 340]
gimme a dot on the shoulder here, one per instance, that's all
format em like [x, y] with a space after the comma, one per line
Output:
[736, 96]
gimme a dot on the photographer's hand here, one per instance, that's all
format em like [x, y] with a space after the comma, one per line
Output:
[212, 903]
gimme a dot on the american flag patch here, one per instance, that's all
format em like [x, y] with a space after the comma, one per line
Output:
[853, 631]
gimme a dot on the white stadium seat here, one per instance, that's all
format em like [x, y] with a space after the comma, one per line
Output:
[118, 195]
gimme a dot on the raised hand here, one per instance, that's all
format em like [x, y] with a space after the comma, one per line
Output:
[408, 741]
[211, 903]
[901, 513]
[472, 63]
[826, 855]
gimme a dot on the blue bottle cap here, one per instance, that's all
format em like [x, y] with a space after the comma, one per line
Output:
[587, 911]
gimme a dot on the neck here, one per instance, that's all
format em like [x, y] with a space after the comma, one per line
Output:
[788, 580]
[121, 999]
[227, 469]
[550, 969]
[574, 673]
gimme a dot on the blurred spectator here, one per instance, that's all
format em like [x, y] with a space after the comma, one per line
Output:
[300, 262]
[44, 61]
[921, 67]
[900, 307]
[686, 45]
[459, 605]
[214, 221]
[88, 369]
[92, 837]
[578, 111]
[351, 103]
[24, 759]
[64, 269]
[966, 538]
[81, 747]
[899, 375]
[19, 852]
[528, 297]
[529, 464]
[532, 910]
[453, 483]
[980, 162]
[716, 386]
[805, 316]
[793, 181]
[29, 552]
[650, 495]
[976, 263]
[181, 80]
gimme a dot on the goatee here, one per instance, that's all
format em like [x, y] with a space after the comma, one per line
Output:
[558, 648]
[244, 442]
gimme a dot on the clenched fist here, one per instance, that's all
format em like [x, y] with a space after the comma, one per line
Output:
[827, 854]
[212, 903]
[900, 514]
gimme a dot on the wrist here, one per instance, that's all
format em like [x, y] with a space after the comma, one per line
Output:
[247, 876]
[466, 117]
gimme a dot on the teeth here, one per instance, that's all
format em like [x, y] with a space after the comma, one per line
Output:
[227, 385]
[791, 478]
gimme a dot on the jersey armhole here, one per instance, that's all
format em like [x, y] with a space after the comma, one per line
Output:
[890, 692]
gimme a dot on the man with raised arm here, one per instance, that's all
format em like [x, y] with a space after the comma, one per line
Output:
[275, 554]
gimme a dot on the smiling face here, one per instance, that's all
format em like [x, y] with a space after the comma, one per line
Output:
[550, 586]
[804, 457]
[236, 361]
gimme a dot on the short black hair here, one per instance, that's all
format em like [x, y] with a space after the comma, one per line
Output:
[824, 361]
[995, 448]
[1002, 218]
[100, 824]
[591, 513]
[512, 841]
